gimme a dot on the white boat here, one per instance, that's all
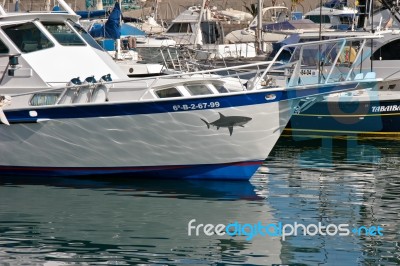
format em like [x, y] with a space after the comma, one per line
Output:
[364, 113]
[234, 15]
[190, 125]
[273, 14]
[197, 28]
[149, 26]
[334, 14]
[276, 19]
[373, 113]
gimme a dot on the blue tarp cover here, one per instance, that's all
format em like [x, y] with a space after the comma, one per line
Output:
[129, 30]
[91, 14]
[111, 29]
[335, 3]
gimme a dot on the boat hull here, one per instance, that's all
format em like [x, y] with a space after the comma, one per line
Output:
[369, 117]
[172, 139]
[228, 171]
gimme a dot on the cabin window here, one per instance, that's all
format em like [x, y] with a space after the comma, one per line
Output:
[63, 34]
[198, 89]
[211, 31]
[3, 48]
[27, 37]
[348, 20]
[49, 98]
[168, 93]
[222, 89]
[319, 19]
[389, 51]
[180, 28]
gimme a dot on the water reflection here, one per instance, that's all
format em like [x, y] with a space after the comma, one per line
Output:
[121, 222]
[337, 181]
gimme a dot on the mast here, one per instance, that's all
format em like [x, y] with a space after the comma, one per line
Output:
[198, 34]
[66, 7]
[156, 10]
[47, 6]
[259, 26]
[118, 41]
[99, 5]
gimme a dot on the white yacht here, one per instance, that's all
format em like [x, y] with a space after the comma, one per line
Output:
[68, 110]
[199, 30]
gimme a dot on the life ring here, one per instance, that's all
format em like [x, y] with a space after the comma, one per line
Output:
[348, 55]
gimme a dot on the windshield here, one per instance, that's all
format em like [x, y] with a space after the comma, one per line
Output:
[86, 36]
[63, 34]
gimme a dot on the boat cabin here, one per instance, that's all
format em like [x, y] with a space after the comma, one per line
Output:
[183, 30]
[30, 45]
[344, 17]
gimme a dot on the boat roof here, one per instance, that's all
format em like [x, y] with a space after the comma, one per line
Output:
[291, 25]
[43, 16]
[187, 16]
[332, 11]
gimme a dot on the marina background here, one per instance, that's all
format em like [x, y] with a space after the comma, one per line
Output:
[168, 9]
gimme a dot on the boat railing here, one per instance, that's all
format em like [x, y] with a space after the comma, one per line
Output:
[178, 59]
[312, 63]
[146, 83]
[209, 74]
[297, 73]
[321, 62]
[183, 60]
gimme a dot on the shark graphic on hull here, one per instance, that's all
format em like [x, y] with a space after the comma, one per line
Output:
[228, 121]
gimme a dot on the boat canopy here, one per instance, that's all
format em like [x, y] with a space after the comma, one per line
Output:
[290, 25]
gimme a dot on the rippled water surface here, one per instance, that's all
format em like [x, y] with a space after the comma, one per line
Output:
[121, 222]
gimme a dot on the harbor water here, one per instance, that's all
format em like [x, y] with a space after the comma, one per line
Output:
[350, 188]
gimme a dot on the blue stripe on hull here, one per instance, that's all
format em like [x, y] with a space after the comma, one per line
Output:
[228, 171]
[149, 107]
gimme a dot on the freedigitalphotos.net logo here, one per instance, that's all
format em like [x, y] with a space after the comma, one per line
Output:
[280, 230]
